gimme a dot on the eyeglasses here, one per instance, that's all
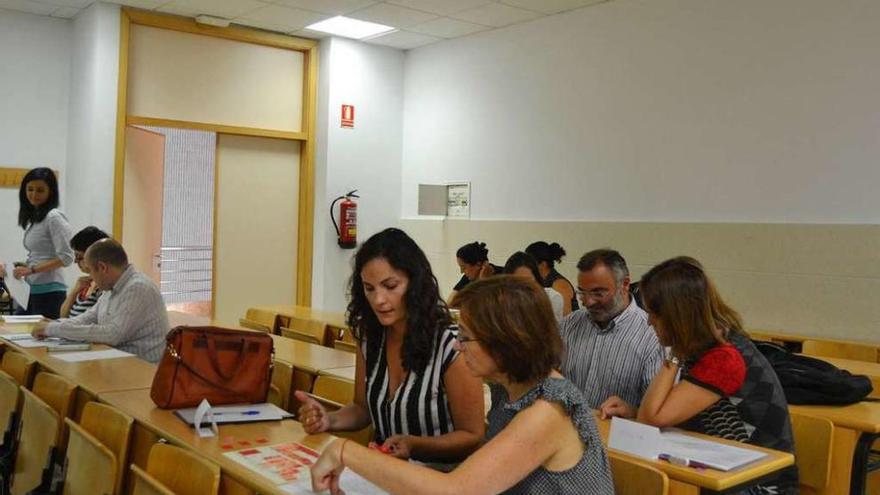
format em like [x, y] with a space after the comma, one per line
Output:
[464, 340]
[596, 294]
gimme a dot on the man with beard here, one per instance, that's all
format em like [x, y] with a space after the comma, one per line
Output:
[609, 347]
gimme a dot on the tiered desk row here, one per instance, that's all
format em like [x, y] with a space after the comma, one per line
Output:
[125, 383]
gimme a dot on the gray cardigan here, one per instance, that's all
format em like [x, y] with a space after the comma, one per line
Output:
[46, 241]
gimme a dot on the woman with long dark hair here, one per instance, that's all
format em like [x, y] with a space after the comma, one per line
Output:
[47, 240]
[727, 387]
[547, 255]
[409, 383]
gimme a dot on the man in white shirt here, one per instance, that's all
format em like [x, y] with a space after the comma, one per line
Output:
[130, 315]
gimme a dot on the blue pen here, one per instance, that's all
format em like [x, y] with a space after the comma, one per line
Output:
[244, 413]
[683, 461]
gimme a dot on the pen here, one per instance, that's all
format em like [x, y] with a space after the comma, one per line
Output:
[245, 413]
[683, 461]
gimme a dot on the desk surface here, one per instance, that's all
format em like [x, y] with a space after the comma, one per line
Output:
[138, 405]
[103, 375]
[863, 416]
[329, 317]
[346, 373]
[710, 478]
[761, 334]
[310, 357]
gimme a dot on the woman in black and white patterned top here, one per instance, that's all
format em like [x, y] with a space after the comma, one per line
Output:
[85, 293]
[421, 400]
[542, 437]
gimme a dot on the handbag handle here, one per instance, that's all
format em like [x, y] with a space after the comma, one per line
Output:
[212, 352]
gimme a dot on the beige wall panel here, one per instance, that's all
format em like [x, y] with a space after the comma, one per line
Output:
[818, 280]
[183, 76]
[143, 199]
[256, 229]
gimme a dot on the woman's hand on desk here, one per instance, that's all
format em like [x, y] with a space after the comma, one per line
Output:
[312, 415]
[398, 445]
[615, 406]
[328, 468]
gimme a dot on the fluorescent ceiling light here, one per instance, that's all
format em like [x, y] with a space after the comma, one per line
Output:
[350, 28]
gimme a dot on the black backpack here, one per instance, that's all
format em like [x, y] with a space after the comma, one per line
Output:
[808, 380]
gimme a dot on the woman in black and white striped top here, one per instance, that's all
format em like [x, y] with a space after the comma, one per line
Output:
[421, 400]
[84, 293]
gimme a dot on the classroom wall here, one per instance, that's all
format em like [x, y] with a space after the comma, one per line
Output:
[91, 125]
[35, 62]
[366, 158]
[744, 133]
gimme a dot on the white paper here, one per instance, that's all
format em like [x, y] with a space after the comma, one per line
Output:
[14, 319]
[75, 357]
[244, 413]
[713, 454]
[15, 337]
[32, 342]
[19, 289]
[350, 482]
[634, 438]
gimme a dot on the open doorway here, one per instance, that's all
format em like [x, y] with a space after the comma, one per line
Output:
[168, 212]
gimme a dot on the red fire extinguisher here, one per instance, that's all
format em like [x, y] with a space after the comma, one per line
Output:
[346, 229]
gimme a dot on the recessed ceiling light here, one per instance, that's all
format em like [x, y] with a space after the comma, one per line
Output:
[350, 28]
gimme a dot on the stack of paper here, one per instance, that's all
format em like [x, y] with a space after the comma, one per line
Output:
[76, 357]
[12, 319]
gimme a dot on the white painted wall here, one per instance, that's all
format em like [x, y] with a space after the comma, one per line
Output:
[35, 68]
[366, 158]
[92, 120]
[656, 110]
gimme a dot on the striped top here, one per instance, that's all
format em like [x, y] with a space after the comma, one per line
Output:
[81, 305]
[620, 359]
[419, 406]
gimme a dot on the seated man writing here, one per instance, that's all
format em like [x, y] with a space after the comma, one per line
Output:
[130, 315]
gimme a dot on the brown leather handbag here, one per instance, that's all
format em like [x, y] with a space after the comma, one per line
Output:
[222, 365]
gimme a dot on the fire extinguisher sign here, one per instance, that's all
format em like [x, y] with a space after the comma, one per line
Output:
[347, 121]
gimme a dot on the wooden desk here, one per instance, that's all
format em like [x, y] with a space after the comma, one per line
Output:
[686, 480]
[856, 427]
[346, 373]
[786, 338]
[153, 423]
[329, 317]
[310, 357]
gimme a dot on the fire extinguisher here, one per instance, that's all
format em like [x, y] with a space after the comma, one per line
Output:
[346, 229]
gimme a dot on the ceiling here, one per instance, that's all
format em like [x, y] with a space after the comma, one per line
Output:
[419, 22]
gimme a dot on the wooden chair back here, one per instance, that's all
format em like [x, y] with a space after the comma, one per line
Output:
[813, 438]
[57, 391]
[91, 467]
[843, 350]
[316, 328]
[632, 477]
[254, 325]
[144, 484]
[274, 395]
[263, 317]
[19, 366]
[301, 336]
[345, 346]
[112, 428]
[40, 428]
[282, 378]
[10, 401]
[334, 389]
[183, 472]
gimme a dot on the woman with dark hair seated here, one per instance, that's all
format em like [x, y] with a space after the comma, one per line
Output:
[473, 262]
[727, 387]
[410, 383]
[85, 293]
[522, 265]
[542, 437]
[547, 255]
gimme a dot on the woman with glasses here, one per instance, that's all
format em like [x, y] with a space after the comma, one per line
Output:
[726, 387]
[410, 382]
[46, 238]
[542, 438]
[85, 293]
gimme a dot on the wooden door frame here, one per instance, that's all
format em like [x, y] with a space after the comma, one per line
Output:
[306, 137]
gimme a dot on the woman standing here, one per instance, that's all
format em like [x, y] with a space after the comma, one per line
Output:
[409, 382]
[547, 255]
[727, 388]
[542, 437]
[47, 240]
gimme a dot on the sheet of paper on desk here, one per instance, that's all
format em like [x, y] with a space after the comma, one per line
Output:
[15, 337]
[75, 357]
[350, 482]
[15, 319]
[717, 455]
[634, 438]
[32, 342]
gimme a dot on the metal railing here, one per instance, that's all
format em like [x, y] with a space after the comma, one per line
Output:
[190, 273]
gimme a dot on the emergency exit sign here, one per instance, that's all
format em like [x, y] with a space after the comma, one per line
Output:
[347, 121]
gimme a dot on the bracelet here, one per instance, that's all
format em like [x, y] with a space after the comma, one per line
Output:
[342, 451]
[33, 269]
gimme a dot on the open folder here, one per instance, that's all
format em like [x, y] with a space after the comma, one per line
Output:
[243, 413]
